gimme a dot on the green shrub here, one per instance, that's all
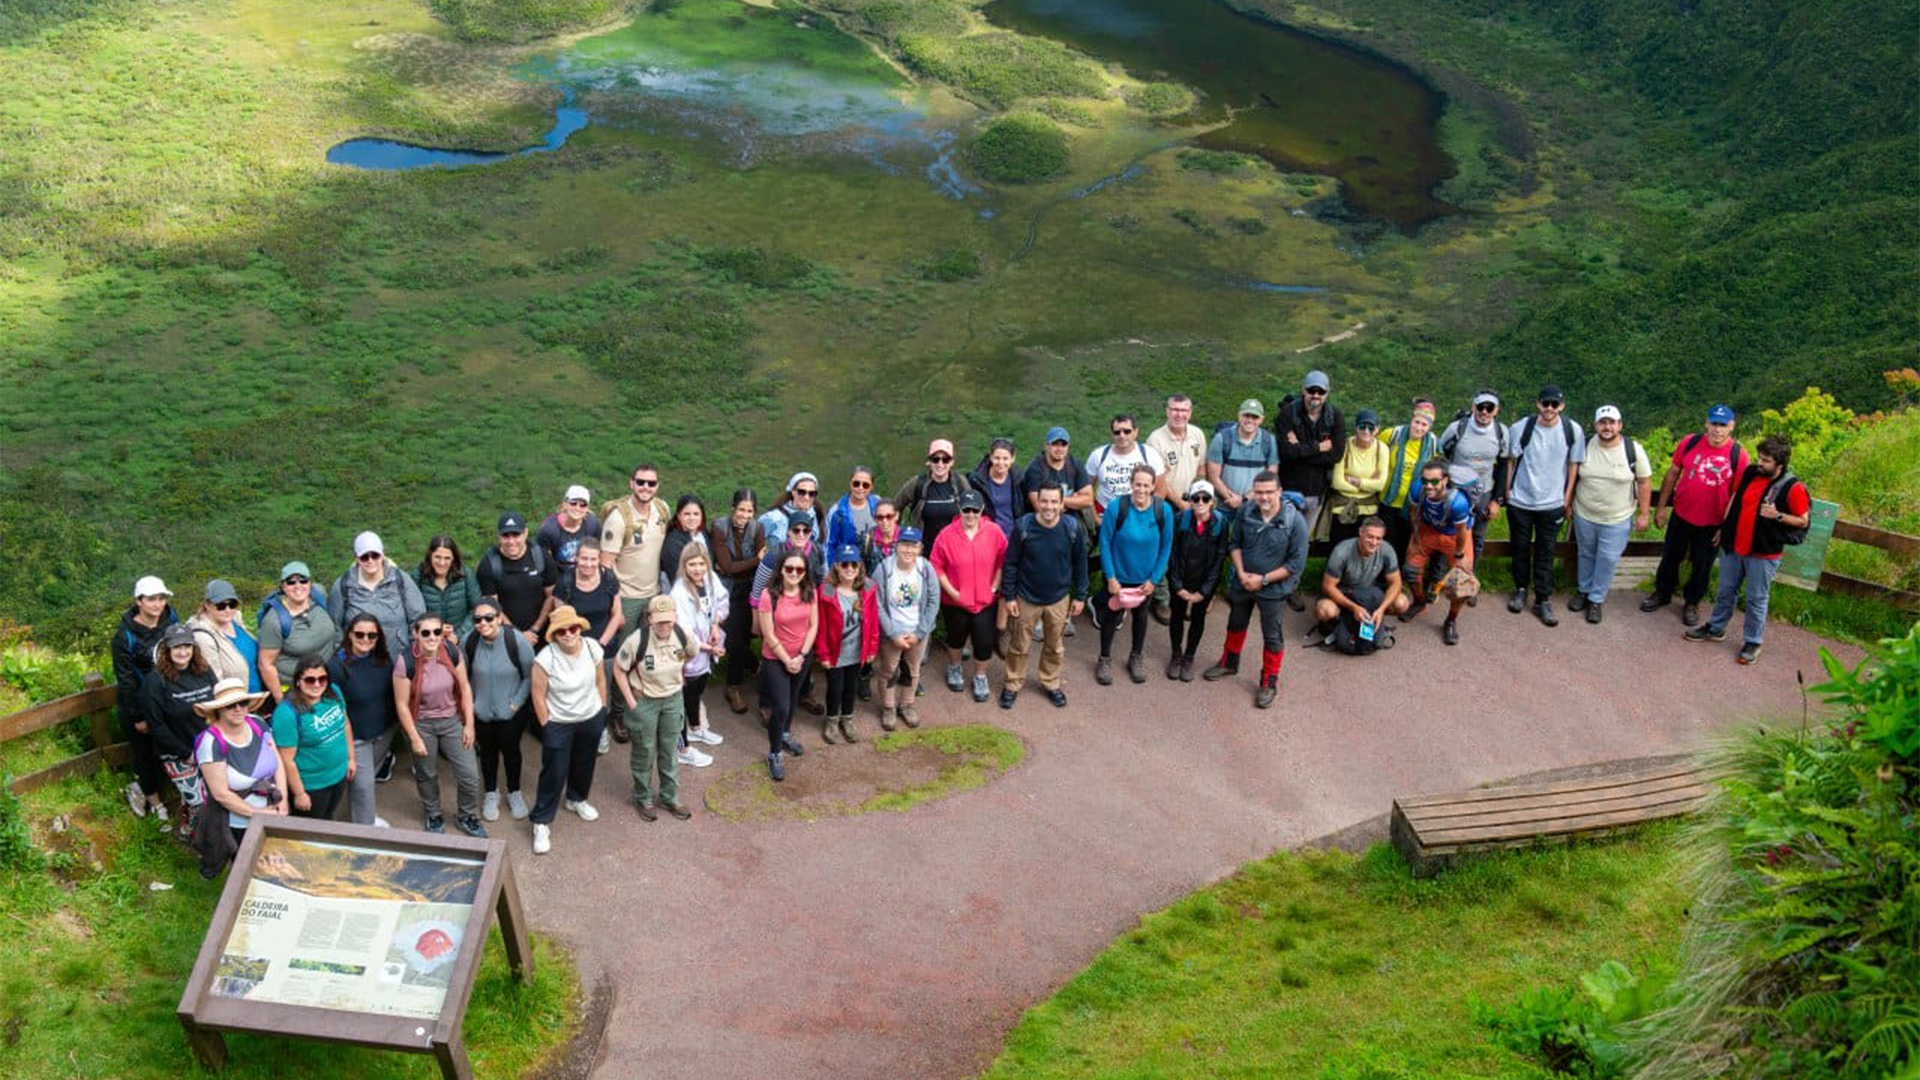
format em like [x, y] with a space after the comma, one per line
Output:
[1214, 161]
[1001, 69]
[522, 20]
[1067, 112]
[953, 264]
[1160, 99]
[750, 264]
[1578, 1031]
[1020, 148]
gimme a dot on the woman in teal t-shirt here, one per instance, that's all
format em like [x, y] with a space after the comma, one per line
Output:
[310, 728]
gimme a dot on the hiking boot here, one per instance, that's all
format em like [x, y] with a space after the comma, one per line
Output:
[1221, 670]
[1450, 632]
[776, 768]
[1577, 603]
[735, 700]
[1269, 689]
[956, 678]
[980, 689]
[828, 734]
[1544, 609]
[1058, 697]
[1517, 603]
[1173, 667]
[1186, 669]
[1593, 613]
[1690, 615]
[886, 718]
[676, 809]
[436, 823]
[1136, 668]
[1070, 631]
[1008, 697]
[1655, 601]
[1705, 633]
[471, 826]
[846, 729]
[1413, 610]
[910, 716]
[1103, 671]
[792, 745]
[1749, 652]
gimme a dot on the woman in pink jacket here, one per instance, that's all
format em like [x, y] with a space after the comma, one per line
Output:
[969, 558]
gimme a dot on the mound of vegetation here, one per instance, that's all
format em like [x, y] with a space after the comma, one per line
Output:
[1001, 69]
[953, 264]
[1020, 149]
[523, 20]
[1160, 99]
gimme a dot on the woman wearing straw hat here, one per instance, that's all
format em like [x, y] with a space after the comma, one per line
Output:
[238, 766]
[570, 704]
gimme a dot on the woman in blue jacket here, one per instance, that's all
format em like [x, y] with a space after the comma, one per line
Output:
[1136, 538]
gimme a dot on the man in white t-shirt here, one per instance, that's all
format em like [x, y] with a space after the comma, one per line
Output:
[1111, 466]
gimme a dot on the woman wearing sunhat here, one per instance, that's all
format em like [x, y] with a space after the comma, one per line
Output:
[239, 766]
[232, 652]
[570, 704]
[141, 626]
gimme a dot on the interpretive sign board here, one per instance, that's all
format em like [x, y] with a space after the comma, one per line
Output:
[352, 934]
[1801, 564]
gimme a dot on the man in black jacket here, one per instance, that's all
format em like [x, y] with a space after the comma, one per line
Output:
[1312, 436]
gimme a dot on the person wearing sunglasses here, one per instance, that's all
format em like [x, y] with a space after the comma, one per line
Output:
[559, 536]
[633, 538]
[883, 537]
[375, 584]
[239, 769]
[594, 595]
[1409, 447]
[801, 495]
[1268, 548]
[789, 622]
[570, 703]
[851, 518]
[434, 700]
[738, 545]
[1358, 478]
[1475, 446]
[316, 747]
[294, 622]
[908, 592]
[969, 559]
[1135, 543]
[134, 654]
[1544, 453]
[1193, 575]
[180, 680]
[849, 638]
[517, 574]
[931, 500]
[1443, 538]
[1111, 465]
[500, 667]
[231, 651]
[1312, 436]
[362, 671]
[689, 529]
[799, 543]
[650, 671]
[446, 586]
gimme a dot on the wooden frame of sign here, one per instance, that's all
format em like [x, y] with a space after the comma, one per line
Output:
[211, 1005]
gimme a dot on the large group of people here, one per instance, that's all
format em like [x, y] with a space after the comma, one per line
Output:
[603, 627]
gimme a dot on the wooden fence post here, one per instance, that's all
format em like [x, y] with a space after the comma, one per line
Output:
[101, 722]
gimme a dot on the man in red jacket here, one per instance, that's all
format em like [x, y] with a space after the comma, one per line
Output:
[1769, 510]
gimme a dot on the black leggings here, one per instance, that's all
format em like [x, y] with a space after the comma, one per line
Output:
[1189, 617]
[499, 744]
[976, 625]
[740, 659]
[780, 689]
[841, 684]
[691, 691]
[146, 759]
[1109, 622]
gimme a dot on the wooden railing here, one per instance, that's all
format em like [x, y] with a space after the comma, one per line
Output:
[95, 704]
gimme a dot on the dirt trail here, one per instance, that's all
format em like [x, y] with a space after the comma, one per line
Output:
[889, 946]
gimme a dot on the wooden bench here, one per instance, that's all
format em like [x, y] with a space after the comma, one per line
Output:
[1431, 830]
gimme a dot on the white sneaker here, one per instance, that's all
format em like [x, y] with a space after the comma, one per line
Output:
[706, 735]
[160, 812]
[583, 808]
[136, 799]
[517, 806]
[606, 741]
[490, 806]
[542, 839]
[381, 823]
[694, 757]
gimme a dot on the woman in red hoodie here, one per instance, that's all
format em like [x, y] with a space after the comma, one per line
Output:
[849, 637]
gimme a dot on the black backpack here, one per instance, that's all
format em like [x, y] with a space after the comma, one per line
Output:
[1777, 489]
[472, 646]
[497, 566]
[1457, 429]
[1526, 433]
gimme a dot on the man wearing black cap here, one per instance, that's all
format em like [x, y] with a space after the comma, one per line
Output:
[1544, 453]
[520, 576]
[1312, 436]
[1695, 493]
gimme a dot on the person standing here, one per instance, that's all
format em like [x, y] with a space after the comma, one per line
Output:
[362, 671]
[798, 540]
[1442, 530]
[180, 680]
[1183, 449]
[802, 493]
[376, 584]
[1475, 447]
[1312, 437]
[1136, 540]
[239, 768]
[633, 536]
[968, 558]
[737, 552]
[1692, 504]
[293, 623]
[1004, 489]
[851, 519]
[849, 637]
[447, 588]
[884, 537]
[1056, 467]
[518, 575]
[594, 595]
[1268, 550]
[1768, 512]
[1409, 447]
[1044, 584]
[700, 604]
[789, 622]
[1111, 466]
[909, 599]
[141, 626]
[1358, 478]
[500, 668]
[1193, 575]
[223, 638]
[651, 665]
[689, 529]
[569, 696]
[1610, 500]
[1544, 451]
[1239, 452]
[316, 747]
[434, 701]
[931, 500]
[1362, 586]
[560, 535]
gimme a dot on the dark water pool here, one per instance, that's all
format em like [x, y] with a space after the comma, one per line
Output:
[1302, 103]
[390, 154]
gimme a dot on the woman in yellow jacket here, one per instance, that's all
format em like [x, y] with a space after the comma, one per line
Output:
[1359, 477]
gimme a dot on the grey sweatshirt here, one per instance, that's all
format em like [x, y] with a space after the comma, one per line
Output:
[395, 601]
[499, 690]
[907, 606]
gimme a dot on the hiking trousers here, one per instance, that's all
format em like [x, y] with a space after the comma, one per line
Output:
[1534, 533]
[1052, 620]
[1693, 545]
[654, 725]
[1757, 574]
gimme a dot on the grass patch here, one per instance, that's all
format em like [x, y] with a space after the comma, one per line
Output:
[894, 772]
[98, 960]
[523, 20]
[1160, 98]
[1340, 966]
[1002, 69]
[1020, 149]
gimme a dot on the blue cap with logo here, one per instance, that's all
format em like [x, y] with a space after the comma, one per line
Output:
[909, 535]
[847, 553]
[1720, 414]
[1057, 434]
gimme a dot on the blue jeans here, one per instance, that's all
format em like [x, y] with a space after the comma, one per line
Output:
[1600, 548]
[1758, 574]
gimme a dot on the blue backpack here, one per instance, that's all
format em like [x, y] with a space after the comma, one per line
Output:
[278, 607]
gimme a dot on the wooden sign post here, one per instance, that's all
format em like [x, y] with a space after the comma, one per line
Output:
[352, 934]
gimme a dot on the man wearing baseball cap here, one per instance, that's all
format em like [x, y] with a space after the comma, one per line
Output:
[1609, 502]
[520, 576]
[1691, 505]
[560, 535]
[650, 663]
[1313, 437]
[1238, 453]
[1544, 453]
[141, 625]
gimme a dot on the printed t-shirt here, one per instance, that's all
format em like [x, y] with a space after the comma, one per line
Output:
[1181, 456]
[1443, 516]
[573, 686]
[319, 737]
[1604, 494]
[849, 628]
[563, 547]
[1706, 481]
[1112, 471]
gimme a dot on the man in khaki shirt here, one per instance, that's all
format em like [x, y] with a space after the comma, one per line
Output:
[632, 532]
[1184, 449]
[650, 663]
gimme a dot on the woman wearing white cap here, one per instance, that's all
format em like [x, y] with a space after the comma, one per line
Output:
[223, 638]
[133, 655]
[376, 585]
[802, 493]
[1612, 496]
[561, 533]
